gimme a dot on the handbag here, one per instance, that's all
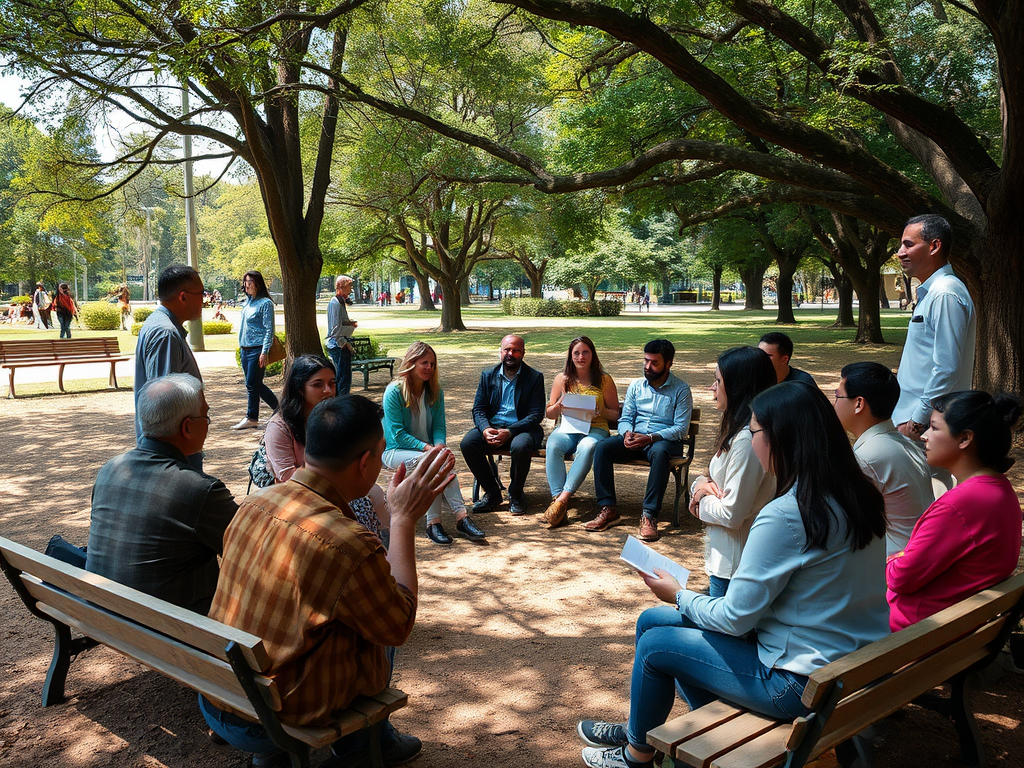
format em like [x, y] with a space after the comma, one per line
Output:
[277, 351]
[259, 471]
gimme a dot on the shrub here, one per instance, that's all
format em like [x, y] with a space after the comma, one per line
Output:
[140, 314]
[20, 300]
[136, 327]
[560, 308]
[101, 316]
[216, 327]
[376, 350]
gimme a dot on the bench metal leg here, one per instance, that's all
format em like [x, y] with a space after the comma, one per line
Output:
[376, 749]
[57, 675]
[366, 378]
[10, 391]
[112, 381]
[494, 471]
[60, 377]
[971, 746]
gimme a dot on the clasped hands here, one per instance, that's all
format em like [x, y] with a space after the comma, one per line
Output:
[636, 440]
[705, 486]
[496, 437]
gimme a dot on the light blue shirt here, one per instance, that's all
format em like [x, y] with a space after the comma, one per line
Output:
[938, 356]
[507, 413]
[809, 608]
[338, 329]
[257, 328]
[664, 412]
[161, 349]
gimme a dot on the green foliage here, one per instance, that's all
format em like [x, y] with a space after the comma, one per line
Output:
[377, 349]
[216, 327]
[140, 314]
[560, 308]
[20, 300]
[101, 316]
[136, 327]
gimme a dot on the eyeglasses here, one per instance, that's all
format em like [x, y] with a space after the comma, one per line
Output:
[193, 293]
[755, 431]
[842, 397]
[204, 418]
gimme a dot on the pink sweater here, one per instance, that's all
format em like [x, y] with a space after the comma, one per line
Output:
[966, 541]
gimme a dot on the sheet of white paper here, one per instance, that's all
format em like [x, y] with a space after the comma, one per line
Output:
[577, 413]
[645, 560]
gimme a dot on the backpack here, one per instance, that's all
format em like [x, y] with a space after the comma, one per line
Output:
[259, 471]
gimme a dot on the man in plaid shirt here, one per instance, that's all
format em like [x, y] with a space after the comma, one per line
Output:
[300, 572]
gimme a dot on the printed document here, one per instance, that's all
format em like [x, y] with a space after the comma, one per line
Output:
[645, 560]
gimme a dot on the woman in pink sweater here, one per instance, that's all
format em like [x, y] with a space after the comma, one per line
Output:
[969, 538]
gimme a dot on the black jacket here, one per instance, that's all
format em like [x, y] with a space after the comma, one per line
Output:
[529, 392]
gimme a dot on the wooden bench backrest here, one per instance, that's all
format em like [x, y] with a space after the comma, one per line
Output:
[58, 349]
[884, 675]
[179, 643]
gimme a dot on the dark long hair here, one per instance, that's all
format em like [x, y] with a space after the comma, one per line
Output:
[990, 417]
[596, 372]
[809, 449]
[261, 284]
[746, 372]
[293, 404]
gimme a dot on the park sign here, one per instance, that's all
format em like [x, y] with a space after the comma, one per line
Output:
[134, 278]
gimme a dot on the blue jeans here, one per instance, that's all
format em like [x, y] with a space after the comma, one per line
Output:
[561, 444]
[707, 666]
[65, 325]
[342, 359]
[717, 586]
[612, 450]
[254, 386]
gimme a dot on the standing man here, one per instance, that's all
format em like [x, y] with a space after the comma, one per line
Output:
[41, 307]
[162, 346]
[779, 347]
[938, 356]
[507, 412]
[864, 400]
[654, 422]
[339, 331]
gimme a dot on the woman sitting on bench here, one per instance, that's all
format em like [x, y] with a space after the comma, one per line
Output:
[969, 538]
[807, 591]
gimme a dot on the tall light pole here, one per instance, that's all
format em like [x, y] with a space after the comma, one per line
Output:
[195, 327]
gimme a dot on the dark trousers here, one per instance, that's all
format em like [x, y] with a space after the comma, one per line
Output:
[65, 325]
[611, 450]
[475, 450]
[342, 359]
[254, 386]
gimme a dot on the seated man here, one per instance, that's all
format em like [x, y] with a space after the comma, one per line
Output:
[779, 347]
[157, 522]
[864, 401]
[508, 410]
[327, 600]
[654, 422]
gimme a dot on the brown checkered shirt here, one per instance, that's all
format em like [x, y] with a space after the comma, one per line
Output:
[300, 572]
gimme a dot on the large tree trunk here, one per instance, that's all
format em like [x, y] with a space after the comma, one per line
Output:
[451, 307]
[844, 293]
[716, 287]
[999, 308]
[883, 297]
[784, 292]
[464, 293]
[869, 319]
[423, 289]
[753, 282]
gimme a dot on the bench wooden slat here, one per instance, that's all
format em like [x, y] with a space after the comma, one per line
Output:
[766, 750]
[190, 627]
[701, 750]
[867, 664]
[351, 721]
[868, 705]
[666, 737]
[64, 360]
[27, 353]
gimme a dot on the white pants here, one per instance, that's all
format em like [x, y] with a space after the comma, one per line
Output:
[451, 498]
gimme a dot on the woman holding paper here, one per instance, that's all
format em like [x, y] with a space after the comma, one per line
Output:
[413, 424]
[736, 485]
[586, 398]
[810, 582]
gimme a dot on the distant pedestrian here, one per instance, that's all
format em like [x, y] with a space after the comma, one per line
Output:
[41, 308]
[339, 331]
[255, 336]
[66, 310]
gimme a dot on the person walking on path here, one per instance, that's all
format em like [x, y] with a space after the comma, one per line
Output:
[339, 331]
[41, 308]
[255, 335]
[64, 305]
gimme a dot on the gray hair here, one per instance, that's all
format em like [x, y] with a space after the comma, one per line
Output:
[342, 280]
[166, 402]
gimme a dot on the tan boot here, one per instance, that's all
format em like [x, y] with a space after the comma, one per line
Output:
[555, 515]
[607, 517]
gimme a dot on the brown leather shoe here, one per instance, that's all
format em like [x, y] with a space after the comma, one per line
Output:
[648, 529]
[556, 513]
[606, 518]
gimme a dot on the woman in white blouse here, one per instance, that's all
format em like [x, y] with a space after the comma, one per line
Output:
[736, 486]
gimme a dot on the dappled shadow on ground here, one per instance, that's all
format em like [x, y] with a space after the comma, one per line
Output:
[513, 643]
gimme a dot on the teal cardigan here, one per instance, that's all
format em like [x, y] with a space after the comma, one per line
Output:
[398, 421]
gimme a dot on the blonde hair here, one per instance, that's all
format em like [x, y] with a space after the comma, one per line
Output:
[432, 388]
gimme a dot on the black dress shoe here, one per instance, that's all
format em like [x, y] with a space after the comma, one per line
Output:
[469, 529]
[437, 535]
[488, 503]
[516, 506]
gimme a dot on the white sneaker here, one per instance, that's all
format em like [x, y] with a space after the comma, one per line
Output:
[246, 424]
[605, 757]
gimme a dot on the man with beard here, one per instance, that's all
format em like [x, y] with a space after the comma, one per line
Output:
[507, 412]
[654, 421]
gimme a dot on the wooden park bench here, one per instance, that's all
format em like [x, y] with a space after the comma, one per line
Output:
[679, 466]
[32, 353]
[363, 360]
[224, 664]
[852, 693]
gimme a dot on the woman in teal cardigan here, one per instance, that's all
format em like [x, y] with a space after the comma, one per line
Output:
[414, 423]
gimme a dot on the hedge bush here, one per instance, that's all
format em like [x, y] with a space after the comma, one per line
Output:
[560, 308]
[101, 316]
[376, 350]
[20, 300]
[140, 314]
[216, 327]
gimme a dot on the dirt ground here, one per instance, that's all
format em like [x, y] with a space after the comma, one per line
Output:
[514, 641]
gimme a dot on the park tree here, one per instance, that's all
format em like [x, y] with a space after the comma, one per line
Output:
[939, 82]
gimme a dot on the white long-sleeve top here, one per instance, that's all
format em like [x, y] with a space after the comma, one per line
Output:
[746, 488]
